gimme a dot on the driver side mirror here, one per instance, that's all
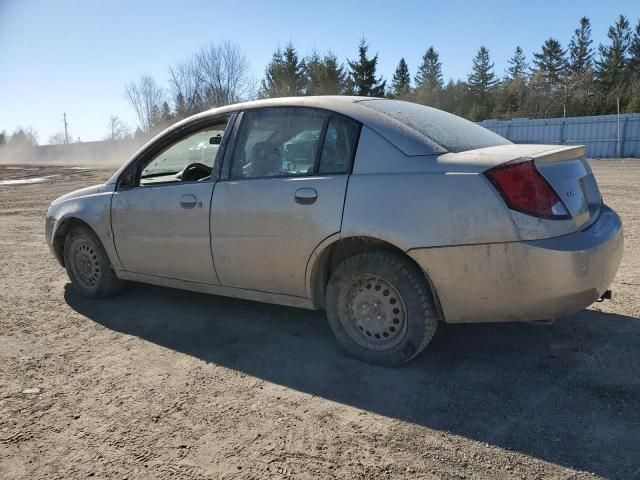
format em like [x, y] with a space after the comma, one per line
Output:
[127, 180]
[215, 140]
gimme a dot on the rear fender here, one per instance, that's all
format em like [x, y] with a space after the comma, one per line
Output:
[420, 209]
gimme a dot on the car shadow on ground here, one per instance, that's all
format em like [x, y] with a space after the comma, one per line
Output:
[567, 393]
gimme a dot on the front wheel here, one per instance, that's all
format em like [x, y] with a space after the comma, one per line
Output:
[88, 265]
[380, 308]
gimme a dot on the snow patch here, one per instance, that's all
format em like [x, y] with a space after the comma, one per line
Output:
[24, 181]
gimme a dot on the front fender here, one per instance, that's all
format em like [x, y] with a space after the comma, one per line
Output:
[92, 209]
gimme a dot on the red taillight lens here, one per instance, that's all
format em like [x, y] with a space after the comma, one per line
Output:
[526, 190]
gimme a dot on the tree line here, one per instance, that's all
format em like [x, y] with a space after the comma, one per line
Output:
[579, 79]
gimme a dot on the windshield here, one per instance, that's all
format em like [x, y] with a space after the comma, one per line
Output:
[453, 133]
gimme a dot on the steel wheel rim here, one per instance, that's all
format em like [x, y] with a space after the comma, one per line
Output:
[85, 264]
[376, 314]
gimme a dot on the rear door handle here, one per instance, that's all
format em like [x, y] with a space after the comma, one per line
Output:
[306, 196]
[188, 201]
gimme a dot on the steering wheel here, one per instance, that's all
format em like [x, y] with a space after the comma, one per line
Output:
[194, 172]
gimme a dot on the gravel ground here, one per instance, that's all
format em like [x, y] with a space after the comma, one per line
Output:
[160, 383]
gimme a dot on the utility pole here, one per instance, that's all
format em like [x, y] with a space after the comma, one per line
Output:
[618, 143]
[66, 131]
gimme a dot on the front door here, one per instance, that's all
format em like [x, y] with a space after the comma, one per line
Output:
[284, 195]
[161, 224]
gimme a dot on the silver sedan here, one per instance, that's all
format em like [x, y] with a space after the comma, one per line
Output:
[389, 215]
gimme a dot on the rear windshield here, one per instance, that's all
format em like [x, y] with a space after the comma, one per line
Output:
[453, 133]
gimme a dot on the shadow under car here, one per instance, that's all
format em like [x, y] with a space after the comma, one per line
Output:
[567, 393]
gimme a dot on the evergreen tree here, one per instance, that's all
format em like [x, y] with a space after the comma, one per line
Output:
[518, 66]
[401, 84]
[481, 83]
[295, 71]
[315, 72]
[454, 97]
[139, 134]
[633, 105]
[429, 74]
[3, 138]
[551, 63]
[349, 86]
[324, 75]
[285, 75]
[363, 74]
[634, 54]
[335, 76]
[166, 113]
[155, 118]
[196, 104]
[180, 107]
[511, 94]
[273, 82]
[611, 67]
[580, 51]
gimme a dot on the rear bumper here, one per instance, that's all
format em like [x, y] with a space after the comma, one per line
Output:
[529, 280]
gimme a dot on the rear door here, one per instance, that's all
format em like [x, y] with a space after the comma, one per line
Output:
[284, 193]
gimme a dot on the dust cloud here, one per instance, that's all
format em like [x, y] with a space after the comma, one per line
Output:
[101, 154]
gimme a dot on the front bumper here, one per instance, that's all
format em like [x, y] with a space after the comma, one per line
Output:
[524, 281]
[49, 223]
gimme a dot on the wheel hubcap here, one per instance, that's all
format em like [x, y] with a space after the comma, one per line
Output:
[85, 264]
[377, 315]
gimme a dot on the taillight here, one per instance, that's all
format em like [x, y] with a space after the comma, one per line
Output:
[525, 190]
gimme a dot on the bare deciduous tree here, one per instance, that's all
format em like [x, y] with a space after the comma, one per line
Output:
[23, 137]
[224, 72]
[216, 75]
[146, 98]
[117, 129]
[184, 83]
[57, 139]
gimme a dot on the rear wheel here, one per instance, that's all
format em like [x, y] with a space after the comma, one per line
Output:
[88, 265]
[380, 308]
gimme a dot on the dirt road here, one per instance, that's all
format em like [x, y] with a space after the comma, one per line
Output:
[160, 383]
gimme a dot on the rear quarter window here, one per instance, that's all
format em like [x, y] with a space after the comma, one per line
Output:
[453, 133]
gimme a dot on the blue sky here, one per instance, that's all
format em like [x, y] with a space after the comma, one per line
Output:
[76, 56]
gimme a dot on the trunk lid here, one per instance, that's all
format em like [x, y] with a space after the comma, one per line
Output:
[567, 171]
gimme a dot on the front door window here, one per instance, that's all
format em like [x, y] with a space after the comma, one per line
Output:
[190, 159]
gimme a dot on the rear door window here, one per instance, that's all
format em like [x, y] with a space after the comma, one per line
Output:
[339, 146]
[293, 141]
[278, 142]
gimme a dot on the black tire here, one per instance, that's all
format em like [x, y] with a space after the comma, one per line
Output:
[88, 265]
[367, 318]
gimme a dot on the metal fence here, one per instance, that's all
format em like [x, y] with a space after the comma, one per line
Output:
[607, 136]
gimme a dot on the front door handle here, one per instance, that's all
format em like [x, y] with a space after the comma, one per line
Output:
[306, 196]
[188, 201]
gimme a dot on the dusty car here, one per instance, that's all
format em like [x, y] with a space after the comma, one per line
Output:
[389, 215]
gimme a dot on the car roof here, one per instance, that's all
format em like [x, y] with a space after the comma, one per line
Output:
[408, 140]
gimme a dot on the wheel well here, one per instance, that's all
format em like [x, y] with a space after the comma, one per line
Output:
[61, 232]
[339, 251]
[335, 254]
